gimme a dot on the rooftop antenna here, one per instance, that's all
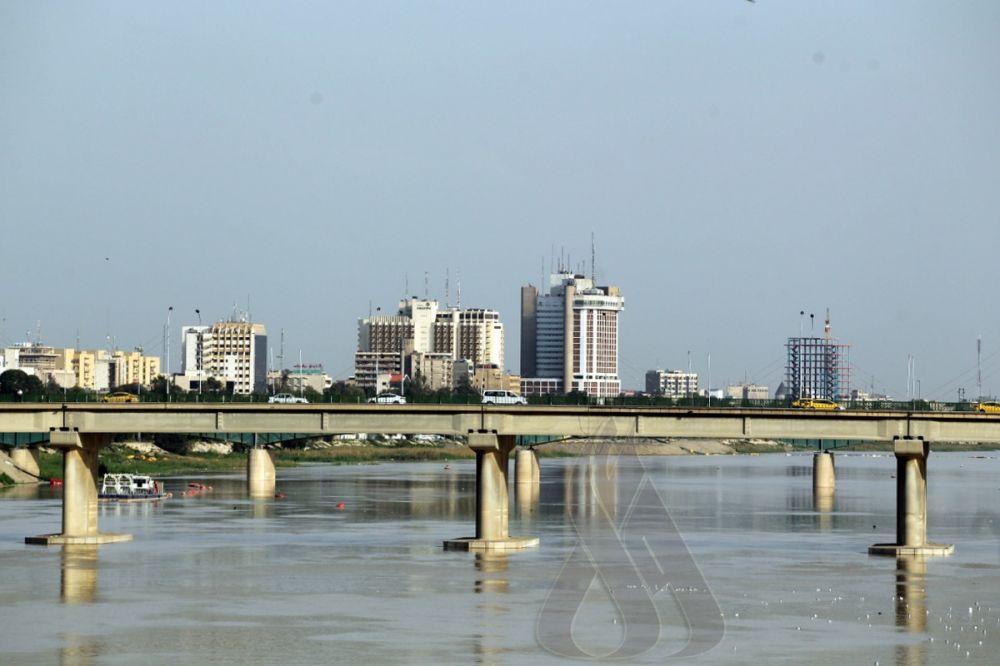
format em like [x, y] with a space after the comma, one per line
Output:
[826, 325]
[249, 318]
[426, 285]
[38, 332]
[406, 289]
[78, 339]
[562, 253]
[812, 323]
[979, 366]
[447, 288]
[281, 352]
[593, 258]
[458, 288]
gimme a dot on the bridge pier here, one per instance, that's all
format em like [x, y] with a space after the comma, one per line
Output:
[911, 503]
[492, 499]
[261, 477]
[79, 519]
[526, 468]
[824, 472]
[26, 459]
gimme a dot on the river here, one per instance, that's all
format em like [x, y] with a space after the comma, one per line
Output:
[217, 577]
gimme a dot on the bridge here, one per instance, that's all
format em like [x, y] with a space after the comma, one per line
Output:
[82, 429]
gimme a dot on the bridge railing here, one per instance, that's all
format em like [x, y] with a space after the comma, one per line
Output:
[79, 396]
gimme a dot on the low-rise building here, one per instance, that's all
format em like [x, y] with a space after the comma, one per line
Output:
[541, 386]
[489, 377]
[672, 383]
[436, 370]
[747, 392]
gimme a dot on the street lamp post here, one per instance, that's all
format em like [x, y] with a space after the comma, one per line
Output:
[167, 376]
[199, 355]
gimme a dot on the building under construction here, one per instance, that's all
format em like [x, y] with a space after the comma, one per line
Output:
[818, 367]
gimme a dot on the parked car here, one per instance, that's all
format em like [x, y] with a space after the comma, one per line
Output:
[120, 396]
[388, 399]
[817, 403]
[988, 407]
[287, 399]
[494, 397]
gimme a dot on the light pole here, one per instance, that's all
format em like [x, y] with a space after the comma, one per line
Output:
[198, 355]
[709, 379]
[167, 377]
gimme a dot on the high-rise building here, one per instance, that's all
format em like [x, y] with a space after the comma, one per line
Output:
[818, 367]
[474, 334]
[576, 336]
[386, 343]
[233, 352]
[672, 383]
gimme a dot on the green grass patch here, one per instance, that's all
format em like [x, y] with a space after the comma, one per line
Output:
[368, 454]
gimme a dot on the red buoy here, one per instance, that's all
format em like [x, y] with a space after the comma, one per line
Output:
[341, 505]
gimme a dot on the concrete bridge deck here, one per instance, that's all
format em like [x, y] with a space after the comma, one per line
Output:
[573, 421]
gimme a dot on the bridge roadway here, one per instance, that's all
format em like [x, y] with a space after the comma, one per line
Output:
[459, 420]
[81, 429]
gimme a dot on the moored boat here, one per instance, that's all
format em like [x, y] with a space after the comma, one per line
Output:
[130, 488]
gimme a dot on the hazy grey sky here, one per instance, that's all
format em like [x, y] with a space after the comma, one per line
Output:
[738, 162]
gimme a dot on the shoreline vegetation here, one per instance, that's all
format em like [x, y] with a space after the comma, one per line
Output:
[221, 457]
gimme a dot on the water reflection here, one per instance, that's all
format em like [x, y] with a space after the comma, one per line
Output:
[22, 491]
[823, 502]
[78, 574]
[262, 508]
[79, 650]
[591, 486]
[488, 565]
[911, 607]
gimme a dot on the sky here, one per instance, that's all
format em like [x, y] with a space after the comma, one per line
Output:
[736, 162]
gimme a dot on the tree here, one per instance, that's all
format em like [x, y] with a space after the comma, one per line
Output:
[18, 382]
[343, 392]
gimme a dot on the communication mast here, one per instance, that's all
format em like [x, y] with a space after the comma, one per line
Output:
[979, 366]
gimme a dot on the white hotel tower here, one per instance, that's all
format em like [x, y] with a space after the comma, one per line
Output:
[569, 337]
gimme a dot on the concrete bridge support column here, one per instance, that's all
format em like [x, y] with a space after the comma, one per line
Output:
[79, 519]
[492, 499]
[261, 477]
[824, 473]
[911, 503]
[526, 468]
[26, 459]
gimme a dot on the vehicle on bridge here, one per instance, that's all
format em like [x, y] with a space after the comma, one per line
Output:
[130, 488]
[388, 399]
[493, 397]
[287, 399]
[120, 396]
[821, 404]
[988, 407]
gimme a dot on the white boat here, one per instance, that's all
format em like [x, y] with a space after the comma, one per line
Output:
[130, 488]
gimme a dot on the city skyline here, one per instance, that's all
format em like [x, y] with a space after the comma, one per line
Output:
[857, 175]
